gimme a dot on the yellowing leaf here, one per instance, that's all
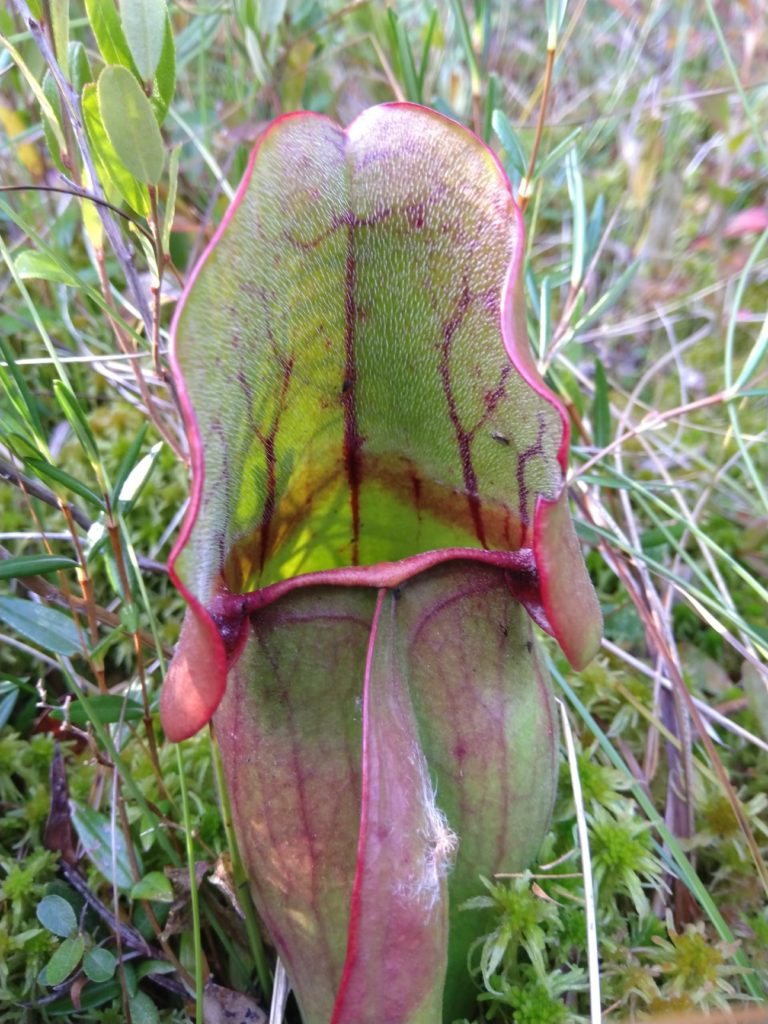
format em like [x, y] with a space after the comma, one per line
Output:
[25, 151]
[109, 164]
[36, 88]
[91, 219]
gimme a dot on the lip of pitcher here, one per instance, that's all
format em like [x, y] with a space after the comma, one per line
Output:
[547, 575]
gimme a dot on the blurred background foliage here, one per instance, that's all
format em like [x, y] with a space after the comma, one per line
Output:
[121, 893]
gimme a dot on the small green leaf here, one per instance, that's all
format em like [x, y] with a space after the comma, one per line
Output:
[137, 478]
[59, 14]
[51, 92]
[259, 64]
[99, 964]
[57, 915]
[595, 225]
[143, 1010]
[555, 13]
[170, 202]
[21, 447]
[601, 409]
[555, 153]
[144, 29]
[755, 357]
[608, 299]
[92, 996]
[129, 617]
[12, 420]
[165, 78]
[106, 27]
[509, 139]
[109, 164]
[76, 418]
[130, 979]
[153, 967]
[64, 960]
[757, 695]
[79, 66]
[153, 886]
[33, 264]
[130, 123]
[103, 844]
[128, 462]
[27, 403]
[465, 36]
[402, 48]
[427, 49]
[59, 476]
[32, 565]
[45, 626]
[107, 641]
[9, 682]
[104, 707]
[7, 704]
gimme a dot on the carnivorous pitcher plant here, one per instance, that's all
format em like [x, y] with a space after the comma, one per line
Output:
[378, 511]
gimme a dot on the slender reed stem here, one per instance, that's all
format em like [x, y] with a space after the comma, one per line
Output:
[525, 191]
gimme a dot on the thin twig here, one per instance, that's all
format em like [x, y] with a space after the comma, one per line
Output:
[37, 490]
[717, 717]
[79, 193]
[128, 348]
[524, 192]
[651, 422]
[618, 562]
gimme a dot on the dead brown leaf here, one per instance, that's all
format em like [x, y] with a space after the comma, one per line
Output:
[223, 1006]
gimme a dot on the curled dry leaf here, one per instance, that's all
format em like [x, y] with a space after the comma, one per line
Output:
[223, 1006]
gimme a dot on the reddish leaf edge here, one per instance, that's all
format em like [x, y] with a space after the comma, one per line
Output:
[389, 828]
[353, 986]
[353, 931]
[197, 675]
[185, 707]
